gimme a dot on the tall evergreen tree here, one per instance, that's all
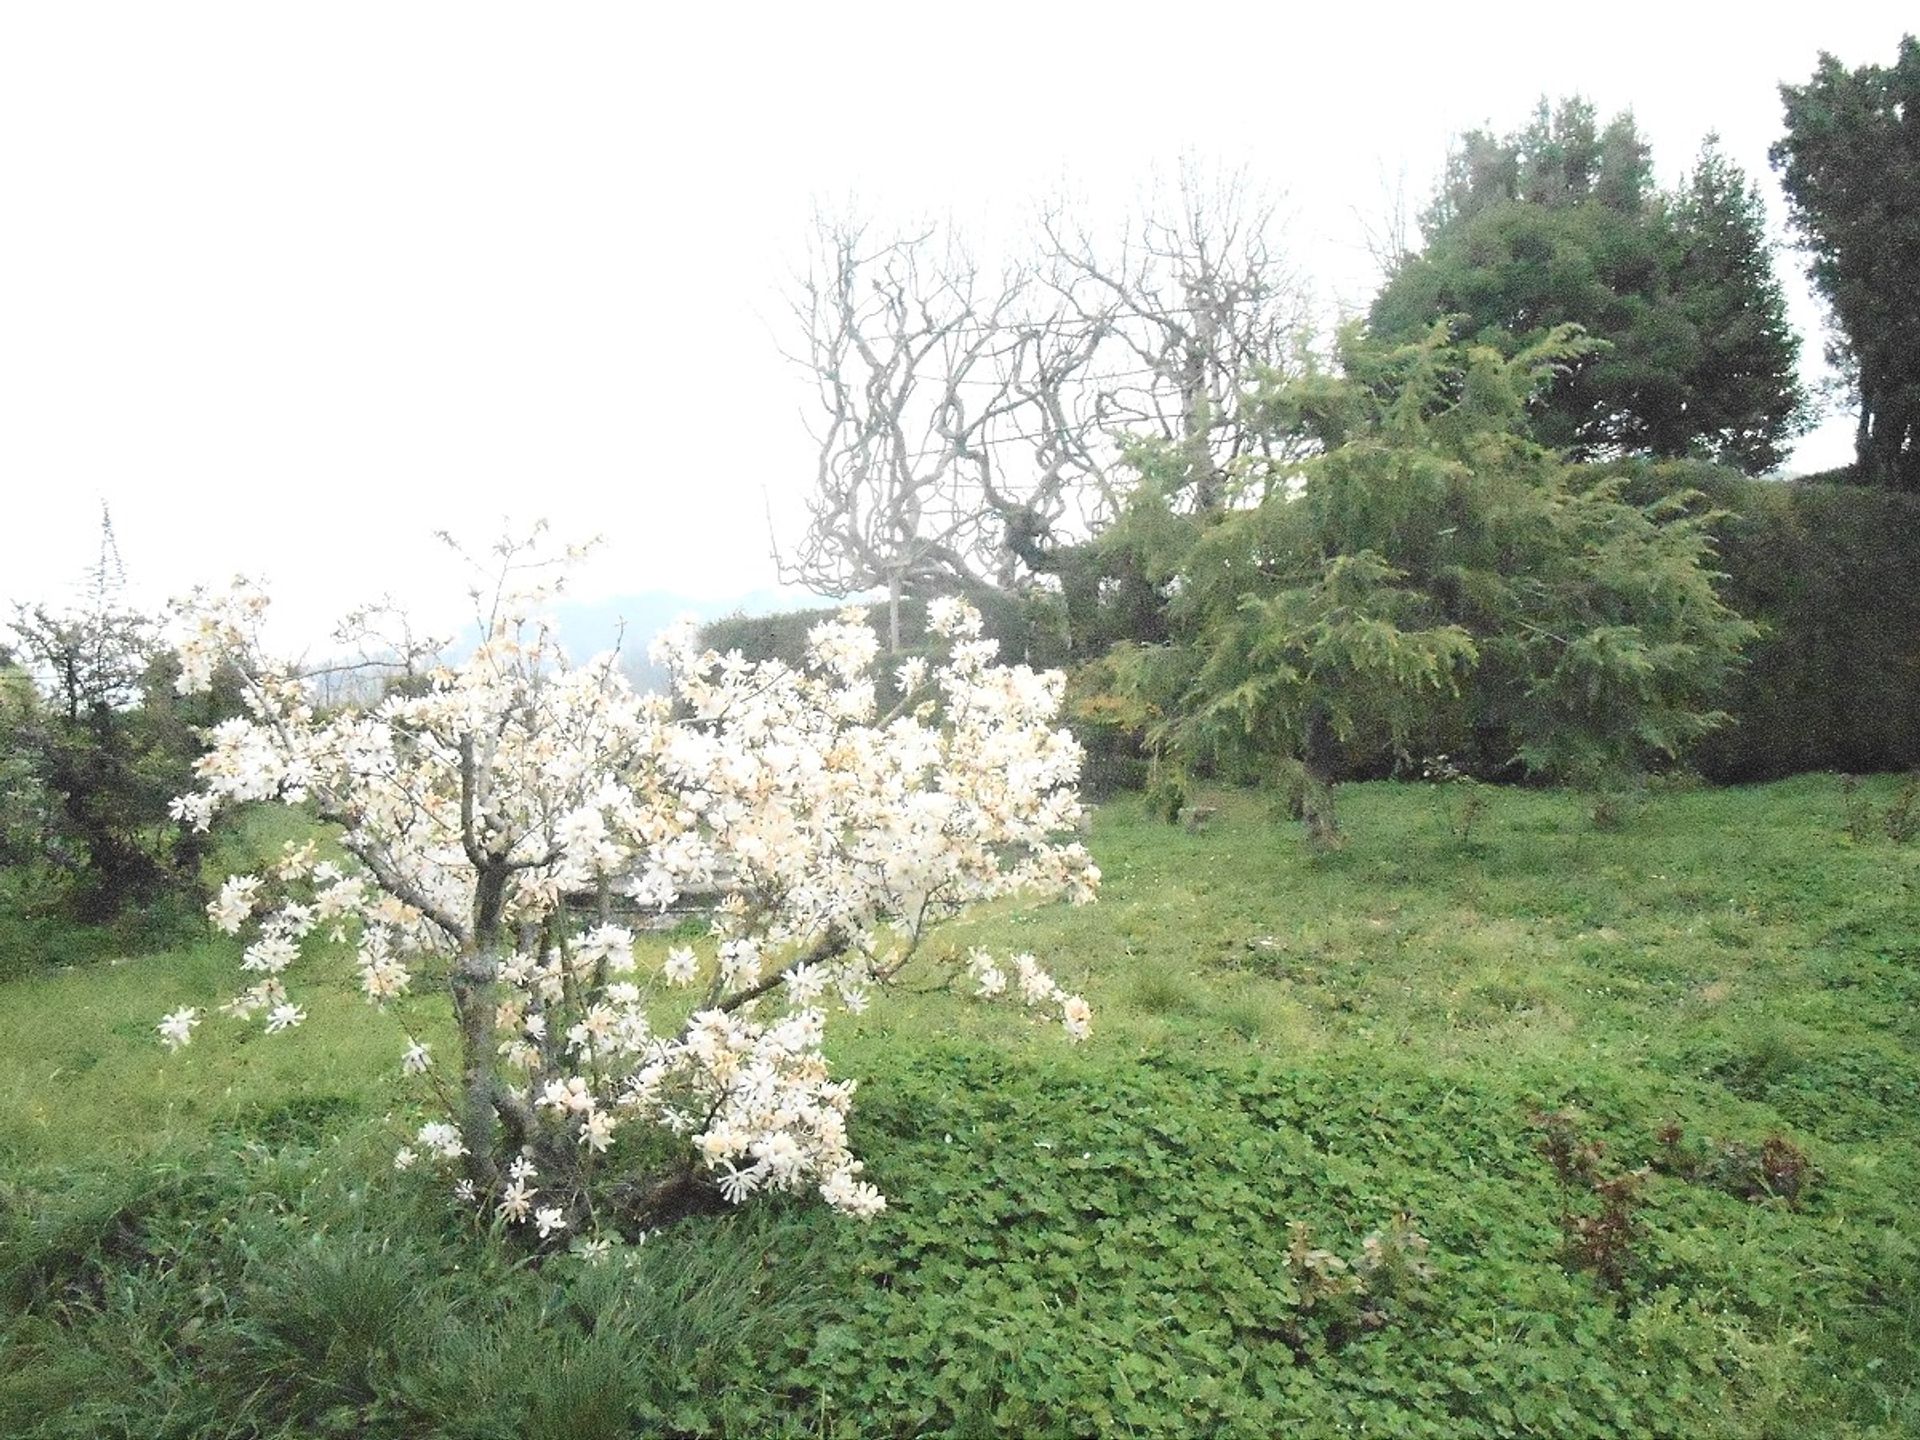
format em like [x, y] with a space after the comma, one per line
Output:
[1726, 289]
[1850, 164]
[1561, 223]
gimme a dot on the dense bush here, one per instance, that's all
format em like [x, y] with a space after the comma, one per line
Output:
[91, 860]
[1831, 572]
[1427, 565]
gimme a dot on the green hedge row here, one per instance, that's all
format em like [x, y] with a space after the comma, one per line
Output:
[1833, 574]
[784, 636]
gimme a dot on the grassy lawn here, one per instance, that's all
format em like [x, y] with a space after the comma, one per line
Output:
[1094, 1239]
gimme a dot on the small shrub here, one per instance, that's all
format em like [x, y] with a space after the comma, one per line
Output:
[1348, 1297]
[1600, 1241]
[1166, 793]
[1464, 800]
[1776, 1169]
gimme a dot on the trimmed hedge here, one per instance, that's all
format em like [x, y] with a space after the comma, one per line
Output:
[784, 636]
[1833, 574]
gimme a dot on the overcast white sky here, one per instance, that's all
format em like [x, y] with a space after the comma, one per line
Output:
[289, 288]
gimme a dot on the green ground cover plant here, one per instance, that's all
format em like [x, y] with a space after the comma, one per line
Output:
[1295, 1184]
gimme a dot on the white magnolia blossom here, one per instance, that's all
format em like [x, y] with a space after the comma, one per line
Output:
[1036, 988]
[230, 909]
[479, 815]
[682, 965]
[516, 1201]
[443, 1139]
[176, 1029]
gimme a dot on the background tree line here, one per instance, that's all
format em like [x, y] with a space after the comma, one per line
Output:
[1560, 223]
[1112, 435]
[1850, 165]
[94, 746]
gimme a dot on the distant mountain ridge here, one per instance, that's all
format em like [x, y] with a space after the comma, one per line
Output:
[632, 621]
[586, 628]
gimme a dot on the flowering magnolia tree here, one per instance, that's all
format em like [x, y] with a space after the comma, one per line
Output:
[494, 825]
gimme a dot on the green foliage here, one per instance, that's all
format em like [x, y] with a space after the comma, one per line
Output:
[80, 751]
[1830, 572]
[1560, 224]
[25, 806]
[1850, 164]
[264, 1291]
[1430, 575]
[1742, 402]
[1559, 160]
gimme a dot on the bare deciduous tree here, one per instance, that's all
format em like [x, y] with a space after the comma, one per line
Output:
[911, 355]
[1390, 233]
[93, 654]
[1194, 299]
[968, 424]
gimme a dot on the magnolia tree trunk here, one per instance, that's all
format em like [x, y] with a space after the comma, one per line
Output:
[498, 1122]
[473, 974]
[473, 1007]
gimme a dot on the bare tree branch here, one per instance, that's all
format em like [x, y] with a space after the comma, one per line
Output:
[966, 424]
